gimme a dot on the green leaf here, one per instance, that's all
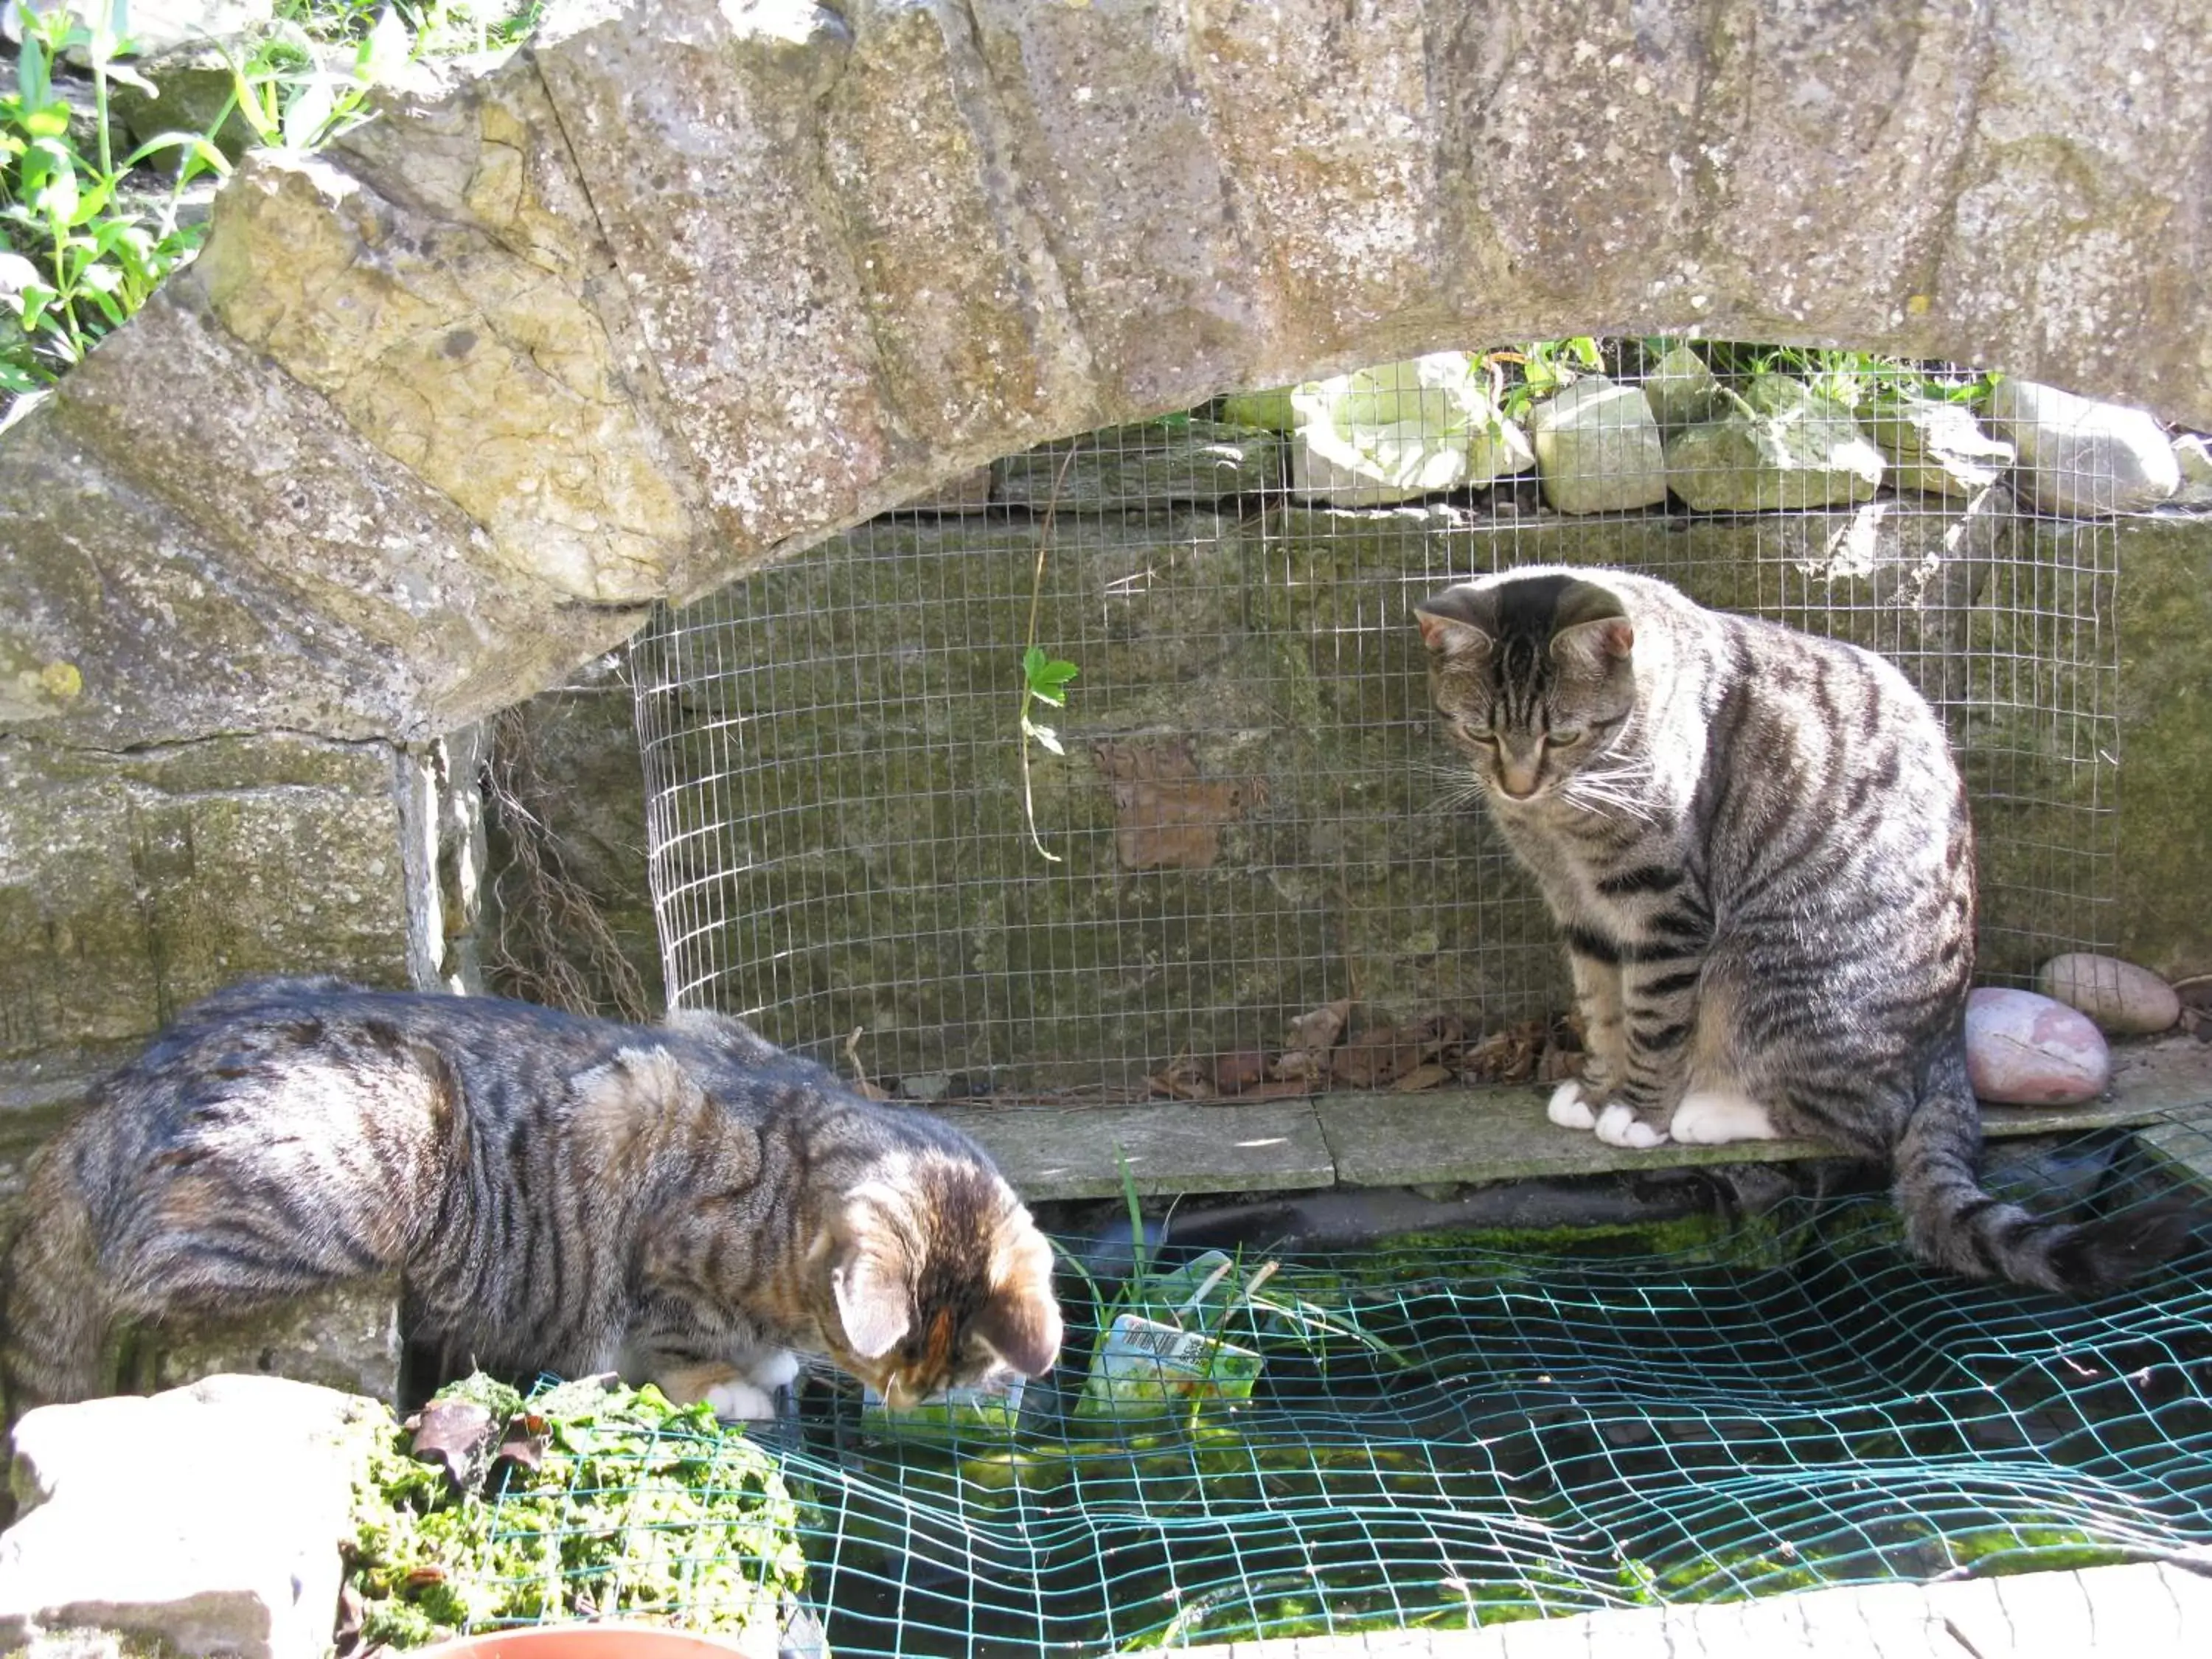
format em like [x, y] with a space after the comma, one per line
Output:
[46, 121]
[196, 148]
[93, 201]
[57, 196]
[37, 299]
[1046, 676]
[32, 84]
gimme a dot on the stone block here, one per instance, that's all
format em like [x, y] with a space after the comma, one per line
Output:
[134, 883]
[2081, 458]
[1142, 468]
[1598, 448]
[345, 1338]
[207, 1518]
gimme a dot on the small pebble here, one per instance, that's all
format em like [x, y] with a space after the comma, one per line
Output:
[2023, 1049]
[2122, 998]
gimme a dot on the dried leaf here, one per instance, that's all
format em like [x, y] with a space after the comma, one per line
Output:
[1234, 1073]
[454, 1434]
[1319, 1029]
[525, 1445]
[1182, 1078]
[352, 1612]
[1279, 1089]
[1437, 1034]
[1427, 1075]
[1372, 1058]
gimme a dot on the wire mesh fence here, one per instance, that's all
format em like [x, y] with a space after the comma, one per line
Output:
[1445, 1433]
[1244, 811]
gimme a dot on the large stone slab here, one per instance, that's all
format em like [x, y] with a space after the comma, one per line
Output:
[131, 884]
[681, 285]
[207, 1519]
[345, 1337]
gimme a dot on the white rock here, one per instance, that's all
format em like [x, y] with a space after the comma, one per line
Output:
[2122, 998]
[154, 26]
[209, 1517]
[1680, 390]
[1399, 430]
[2023, 1049]
[2080, 457]
[1778, 445]
[1598, 448]
[2193, 454]
[1937, 449]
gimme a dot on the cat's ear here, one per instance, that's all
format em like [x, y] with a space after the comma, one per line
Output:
[1592, 644]
[1450, 626]
[872, 1299]
[1591, 628]
[1021, 1326]
[1021, 1323]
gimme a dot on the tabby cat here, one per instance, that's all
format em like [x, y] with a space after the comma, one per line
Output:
[1756, 844]
[686, 1203]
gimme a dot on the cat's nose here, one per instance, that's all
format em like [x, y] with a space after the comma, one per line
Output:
[1517, 779]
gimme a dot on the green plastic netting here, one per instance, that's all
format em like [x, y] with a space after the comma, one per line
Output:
[1455, 1431]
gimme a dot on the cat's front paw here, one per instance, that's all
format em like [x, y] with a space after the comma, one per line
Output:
[774, 1370]
[737, 1401]
[1618, 1125]
[1571, 1107]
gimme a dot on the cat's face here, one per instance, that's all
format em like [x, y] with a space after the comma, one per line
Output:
[1532, 676]
[937, 1278]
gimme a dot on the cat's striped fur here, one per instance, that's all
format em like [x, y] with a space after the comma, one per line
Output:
[1756, 844]
[686, 1203]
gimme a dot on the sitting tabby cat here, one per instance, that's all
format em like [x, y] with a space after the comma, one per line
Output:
[686, 1203]
[1757, 846]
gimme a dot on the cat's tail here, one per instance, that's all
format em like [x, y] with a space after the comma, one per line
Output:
[53, 1315]
[1951, 1222]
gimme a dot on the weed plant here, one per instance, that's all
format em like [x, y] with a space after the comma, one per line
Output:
[87, 233]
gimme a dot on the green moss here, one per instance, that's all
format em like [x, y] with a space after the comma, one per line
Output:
[637, 1509]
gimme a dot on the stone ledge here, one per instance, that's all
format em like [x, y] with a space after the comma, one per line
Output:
[1360, 1139]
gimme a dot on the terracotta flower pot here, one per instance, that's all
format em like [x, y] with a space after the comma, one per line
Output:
[608, 1641]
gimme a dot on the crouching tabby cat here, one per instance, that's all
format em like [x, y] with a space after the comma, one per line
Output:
[686, 1203]
[1756, 844]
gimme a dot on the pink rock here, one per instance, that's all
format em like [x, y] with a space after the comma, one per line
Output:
[2121, 997]
[2023, 1049]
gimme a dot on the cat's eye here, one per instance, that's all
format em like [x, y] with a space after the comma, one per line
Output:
[1566, 739]
[1482, 734]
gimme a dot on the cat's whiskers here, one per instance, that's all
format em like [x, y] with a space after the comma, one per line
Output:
[1610, 791]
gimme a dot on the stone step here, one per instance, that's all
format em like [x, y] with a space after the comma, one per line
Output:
[1052, 1151]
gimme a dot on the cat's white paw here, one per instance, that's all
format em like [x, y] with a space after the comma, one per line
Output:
[740, 1403]
[1618, 1126]
[1568, 1110]
[773, 1369]
[1709, 1117]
